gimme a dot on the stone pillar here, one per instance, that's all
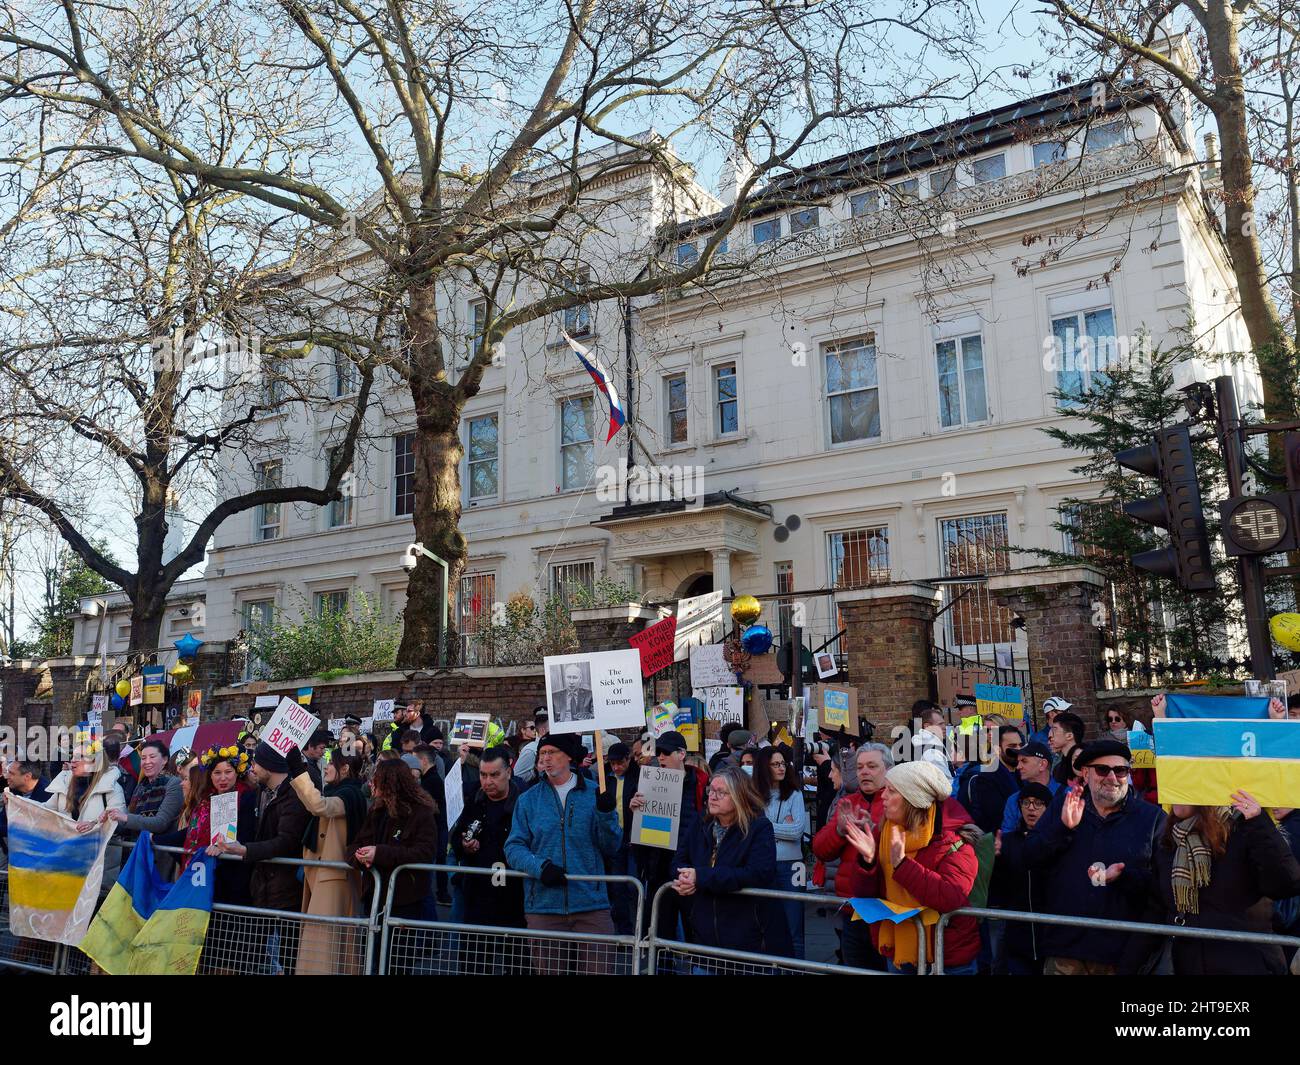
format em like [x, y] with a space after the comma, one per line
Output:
[722, 571]
[18, 684]
[888, 633]
[1064, 644]
[607, 628]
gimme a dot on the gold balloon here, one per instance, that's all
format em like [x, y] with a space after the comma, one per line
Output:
[745, 610]
[181, 672]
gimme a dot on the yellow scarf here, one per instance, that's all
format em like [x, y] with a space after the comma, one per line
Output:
[899, 940]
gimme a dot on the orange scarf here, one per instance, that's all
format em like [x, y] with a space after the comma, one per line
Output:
[899, 940]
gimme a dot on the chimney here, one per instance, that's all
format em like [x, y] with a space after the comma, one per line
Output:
[737, 172]
[1211, 155]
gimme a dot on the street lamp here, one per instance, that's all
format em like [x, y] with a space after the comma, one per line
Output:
[410, 559]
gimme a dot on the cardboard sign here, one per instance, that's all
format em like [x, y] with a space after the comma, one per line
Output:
[699, 621]
[691, 734]
[723, 704]
[290, 726]
[1142, 748]
[154, 679]
[709, 667]
[469, 729]
[711, 747]
[663, 689]
[655, 645]
[837, 708]
[137, 690]
[223, 816]
[660, 718]
[384, 709]
[455, 791]
[599, 690]
[335, 725]
[764, 669]
[1003, 699]
[367, 725]
[266, 702]
[656, 824]
[99, 704]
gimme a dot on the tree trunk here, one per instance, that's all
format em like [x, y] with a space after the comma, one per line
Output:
[146, 622]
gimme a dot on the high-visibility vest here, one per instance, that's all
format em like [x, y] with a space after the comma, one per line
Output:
[387, 745]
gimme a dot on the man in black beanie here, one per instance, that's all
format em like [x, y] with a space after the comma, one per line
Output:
[281, 824]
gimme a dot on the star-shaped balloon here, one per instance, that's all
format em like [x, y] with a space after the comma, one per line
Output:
[187, 645]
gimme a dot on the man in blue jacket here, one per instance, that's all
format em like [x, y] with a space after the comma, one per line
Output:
[563, 827]
[1094, 844]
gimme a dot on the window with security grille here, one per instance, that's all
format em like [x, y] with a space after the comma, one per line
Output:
[1079, 522]
[331, 603]
[474, 614]
[785, 607]
[566, 577]
[858, 557]
[974, 546]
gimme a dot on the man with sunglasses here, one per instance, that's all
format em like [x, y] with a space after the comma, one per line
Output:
[1094, 846]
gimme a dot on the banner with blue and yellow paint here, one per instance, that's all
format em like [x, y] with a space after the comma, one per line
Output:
[1202, 761]
[54, 872]
[149, 927]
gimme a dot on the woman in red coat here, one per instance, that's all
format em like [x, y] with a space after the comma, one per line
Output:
[922, 857]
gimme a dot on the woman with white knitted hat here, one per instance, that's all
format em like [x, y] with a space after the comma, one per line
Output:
[921, 858]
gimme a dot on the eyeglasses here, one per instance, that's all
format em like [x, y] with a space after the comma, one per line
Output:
[1115, 718]
[719, 793]
[1120, 771]
[776, 765]
[1033, 804]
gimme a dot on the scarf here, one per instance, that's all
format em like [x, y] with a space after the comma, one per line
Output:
[354, 810]
[1192, 861]
[148, 795]
[899, 940]
[200, 833]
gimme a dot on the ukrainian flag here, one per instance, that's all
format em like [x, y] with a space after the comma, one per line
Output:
[655, 831]
[148, 927]
[54, 872]
[1202, 761]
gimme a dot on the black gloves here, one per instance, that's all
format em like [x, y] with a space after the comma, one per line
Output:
[605, 800]
[552, 875]
[297, 763]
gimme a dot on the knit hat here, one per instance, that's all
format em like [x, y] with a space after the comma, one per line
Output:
[564, 742]
[1102, 749]
[922, 784]
[270, 759]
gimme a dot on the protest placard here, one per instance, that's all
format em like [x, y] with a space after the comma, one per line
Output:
[699, 621]
[99, 704]
[660, 718]
[155, 684]
[709, 667]
[656, 824]
[470, 730]
[383, 710]
[837, 707]
[137, 690]
[1142, 749]
[1202, 761]
[1004, 699]
[723, 704]
[266, 702]
[764, 669]
[223, 816]
[824, 662]
[455, 791]
[290, 726]
[595, 691]
[655, 645]
[335, 725]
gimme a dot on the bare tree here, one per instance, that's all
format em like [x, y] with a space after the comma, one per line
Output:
[491, 127]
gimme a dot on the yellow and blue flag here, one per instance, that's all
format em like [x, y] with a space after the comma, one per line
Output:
[873, 910]
[148, 927]
[54, 872]
[1202, 761]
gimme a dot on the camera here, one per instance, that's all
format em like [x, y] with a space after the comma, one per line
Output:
[409, 560]
[472, 831]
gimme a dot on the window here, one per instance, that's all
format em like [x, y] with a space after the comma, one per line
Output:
[804, 220]
[727, 399]
[328, 603]
[864, 203]
[785, 607]
[477, 323]
[1047, 153]
[852, 390]
[404, 474]
[482, 457]
[858, 557]
[340, 510]
[687, 253]
[1085, 349]
[990, 168]
[577, 320]
[905, 191]
[960, 365]
[256, 615]
[974, 546]
[1079, 522]
[478, 591]
[676, 405]
[267, 515]
[345, 375]
[941, 181]
[273, 383]
[567, 577]
[767, 231]
[577, 452]
[1107, 135]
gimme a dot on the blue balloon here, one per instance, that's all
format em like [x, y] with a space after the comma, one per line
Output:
[756, 640]
[187, 645]
[116, 701]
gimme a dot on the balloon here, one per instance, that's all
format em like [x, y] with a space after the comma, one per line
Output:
[745, 610]
[123, 688]
[181, 672]
[117, 701]
[1286, 630]
[187, 645]
[756, 640]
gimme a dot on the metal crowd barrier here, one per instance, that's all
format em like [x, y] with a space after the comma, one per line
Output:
[417, 947]
[674, 955]
[1100, 924]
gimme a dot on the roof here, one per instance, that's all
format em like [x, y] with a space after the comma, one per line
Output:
[674, 506]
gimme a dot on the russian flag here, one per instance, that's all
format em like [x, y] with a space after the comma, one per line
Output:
[617, 419]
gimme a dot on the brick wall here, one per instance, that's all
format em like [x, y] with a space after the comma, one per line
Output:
[608, 628]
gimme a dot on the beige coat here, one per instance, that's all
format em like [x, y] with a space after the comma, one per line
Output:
[107, 795]
[327, 948]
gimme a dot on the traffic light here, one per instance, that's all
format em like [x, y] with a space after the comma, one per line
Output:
[1171, 462]
[1259, 525]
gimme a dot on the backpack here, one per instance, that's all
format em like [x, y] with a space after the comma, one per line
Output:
[979, 892]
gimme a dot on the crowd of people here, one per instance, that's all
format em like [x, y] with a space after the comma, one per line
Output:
[1053, 824]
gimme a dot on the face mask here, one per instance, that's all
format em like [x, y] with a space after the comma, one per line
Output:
[749, 769]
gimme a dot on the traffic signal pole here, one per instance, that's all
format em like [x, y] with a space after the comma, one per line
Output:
[1249, 576]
